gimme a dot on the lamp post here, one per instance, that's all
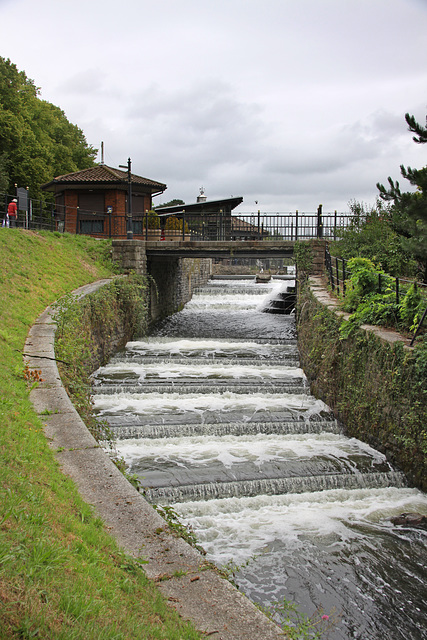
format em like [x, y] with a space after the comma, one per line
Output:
[129, 225]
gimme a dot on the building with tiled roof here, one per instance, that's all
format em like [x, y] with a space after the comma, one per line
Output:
[95, 200]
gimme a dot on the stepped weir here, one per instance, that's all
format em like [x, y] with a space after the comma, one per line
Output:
[214, 415]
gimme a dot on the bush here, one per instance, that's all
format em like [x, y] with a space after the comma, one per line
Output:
[175, 224]
[153, 220]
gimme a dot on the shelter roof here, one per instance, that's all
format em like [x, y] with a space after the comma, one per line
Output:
[101, 175]
[228, 204]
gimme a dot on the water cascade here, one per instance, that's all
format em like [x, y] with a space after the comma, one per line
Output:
[214, 415]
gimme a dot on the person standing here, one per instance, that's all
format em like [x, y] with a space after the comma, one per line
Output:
[12, 212]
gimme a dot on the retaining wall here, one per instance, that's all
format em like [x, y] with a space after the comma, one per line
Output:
[371, 379]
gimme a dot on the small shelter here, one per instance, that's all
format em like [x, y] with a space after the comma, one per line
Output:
[94, 201]
[209, 219]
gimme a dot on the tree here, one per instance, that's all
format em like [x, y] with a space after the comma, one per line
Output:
[370, 235]
[408, 210]
[37, 142]
[171, 203]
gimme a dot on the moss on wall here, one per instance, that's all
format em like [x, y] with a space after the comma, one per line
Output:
[377, 389]
[91, 329]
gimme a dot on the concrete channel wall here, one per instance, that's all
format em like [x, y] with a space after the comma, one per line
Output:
[191, 585]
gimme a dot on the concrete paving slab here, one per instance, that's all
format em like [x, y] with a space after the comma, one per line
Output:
[67, 431]
[200, 598]
[51, 400]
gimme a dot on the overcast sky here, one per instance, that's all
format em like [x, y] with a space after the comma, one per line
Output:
[290, 103]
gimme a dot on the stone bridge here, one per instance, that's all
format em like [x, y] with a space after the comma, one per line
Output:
[136, 254]
[178, 267]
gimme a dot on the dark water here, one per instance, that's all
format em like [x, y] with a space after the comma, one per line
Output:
[215, 416]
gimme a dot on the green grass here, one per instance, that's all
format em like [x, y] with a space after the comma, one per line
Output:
[61, 575]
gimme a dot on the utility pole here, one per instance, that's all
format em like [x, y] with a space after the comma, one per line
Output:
[129, 225]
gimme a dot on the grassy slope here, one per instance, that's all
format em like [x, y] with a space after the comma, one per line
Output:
[61, 575]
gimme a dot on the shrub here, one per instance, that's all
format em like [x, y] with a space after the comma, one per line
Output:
[153, 220]
[175, 224]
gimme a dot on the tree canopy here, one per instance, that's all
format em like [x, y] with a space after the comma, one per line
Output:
[37, 141]
[408, 210]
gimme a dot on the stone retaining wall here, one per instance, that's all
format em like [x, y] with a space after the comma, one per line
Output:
[371, 379]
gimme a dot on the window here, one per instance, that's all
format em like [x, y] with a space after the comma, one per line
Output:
[91, 226]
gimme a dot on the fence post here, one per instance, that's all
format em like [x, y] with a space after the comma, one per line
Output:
[343, 277]
[296, 224]
[183, 225]
[418, 328]
[338, 275]
[335, 224]
[319, 222]
[77, 220]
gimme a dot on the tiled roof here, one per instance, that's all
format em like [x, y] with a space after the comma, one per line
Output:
[102, 174]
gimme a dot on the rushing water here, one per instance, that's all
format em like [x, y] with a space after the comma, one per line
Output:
[214, 415]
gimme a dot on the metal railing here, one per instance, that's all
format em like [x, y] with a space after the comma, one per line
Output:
[212, 226]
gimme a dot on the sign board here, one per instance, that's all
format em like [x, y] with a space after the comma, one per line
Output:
[22, 195]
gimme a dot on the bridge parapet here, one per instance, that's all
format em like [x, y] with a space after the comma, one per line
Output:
[133, 254]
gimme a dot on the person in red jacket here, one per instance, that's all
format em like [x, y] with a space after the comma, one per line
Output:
[12, 212]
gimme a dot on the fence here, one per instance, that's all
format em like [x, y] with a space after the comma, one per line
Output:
[215, 225]
[339, 274]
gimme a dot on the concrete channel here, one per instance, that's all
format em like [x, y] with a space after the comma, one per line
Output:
[193, 587]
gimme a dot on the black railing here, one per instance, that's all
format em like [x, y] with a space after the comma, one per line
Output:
[219, 225]
[339, 273]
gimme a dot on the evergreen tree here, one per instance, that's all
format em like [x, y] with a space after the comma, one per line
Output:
[37, 142]
[408, 211]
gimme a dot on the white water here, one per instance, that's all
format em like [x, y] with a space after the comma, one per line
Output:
[334, 549]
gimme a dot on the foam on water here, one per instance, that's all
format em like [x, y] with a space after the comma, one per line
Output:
[146, 403]
[238, 528]
[170, 370]
[206, 347]
[259, 448]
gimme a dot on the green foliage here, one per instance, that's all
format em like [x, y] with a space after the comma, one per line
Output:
[85, 334]
[169, 514]
[297, 625]
[153, 220]
[175, 224]
[171, 203]
[365, 281]
[412, 307]
[37, 142]
[371, 298]
[408, 210]
[370, 235]
[303, 254]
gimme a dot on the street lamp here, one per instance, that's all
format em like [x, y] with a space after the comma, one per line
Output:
[129, 225]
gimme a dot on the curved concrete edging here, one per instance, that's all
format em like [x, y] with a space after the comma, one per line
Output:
[194, 589]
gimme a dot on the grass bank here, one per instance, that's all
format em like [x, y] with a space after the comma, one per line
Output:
[61, 575]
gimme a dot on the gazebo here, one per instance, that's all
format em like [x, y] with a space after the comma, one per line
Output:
[95, 201]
